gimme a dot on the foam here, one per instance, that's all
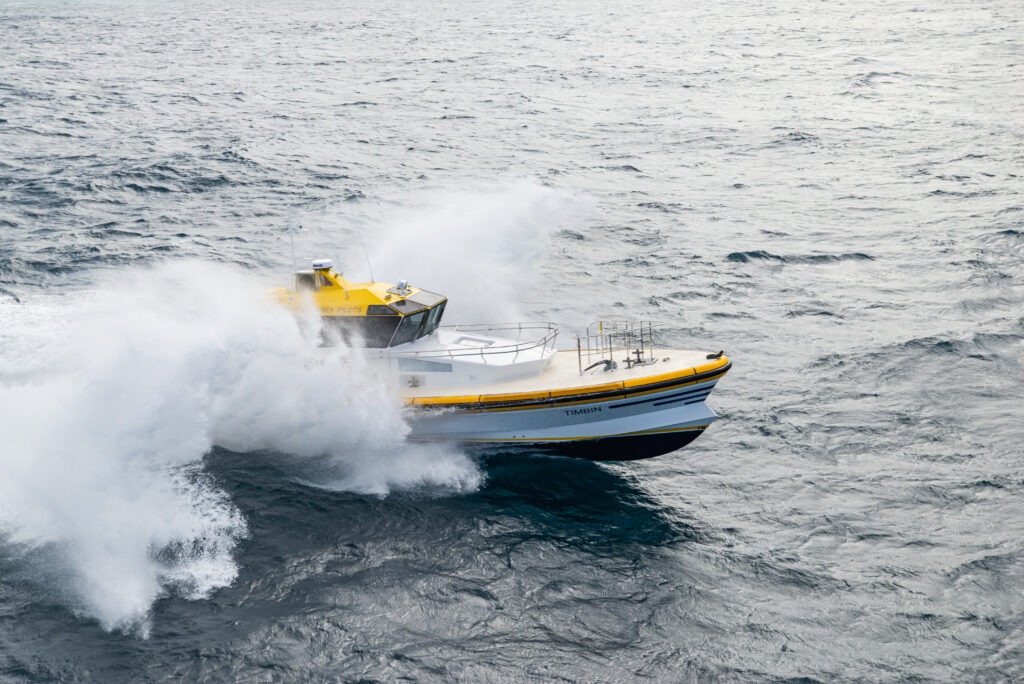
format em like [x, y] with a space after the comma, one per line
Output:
[110, 399]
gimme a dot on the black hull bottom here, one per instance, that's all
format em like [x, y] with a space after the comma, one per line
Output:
[632, 448]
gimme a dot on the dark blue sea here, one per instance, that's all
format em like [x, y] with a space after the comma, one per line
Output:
[831, 193]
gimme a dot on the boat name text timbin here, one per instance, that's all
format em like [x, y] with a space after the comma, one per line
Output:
[581, 411]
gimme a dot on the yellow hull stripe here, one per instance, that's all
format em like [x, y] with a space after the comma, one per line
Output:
[630, 388]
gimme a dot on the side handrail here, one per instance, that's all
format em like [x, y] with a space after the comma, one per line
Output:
[545, 340]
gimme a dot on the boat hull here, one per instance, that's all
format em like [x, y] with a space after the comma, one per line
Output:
[627, 448]
[627, 423]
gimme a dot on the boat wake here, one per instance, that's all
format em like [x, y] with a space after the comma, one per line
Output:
[109, 400]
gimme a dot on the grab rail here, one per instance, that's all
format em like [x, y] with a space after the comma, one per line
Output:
[604, 339]
[546, 341]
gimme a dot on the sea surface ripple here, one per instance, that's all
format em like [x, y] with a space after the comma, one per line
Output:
[831, 193]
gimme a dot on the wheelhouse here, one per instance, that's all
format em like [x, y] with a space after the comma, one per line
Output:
[389, 325]
[368, 314]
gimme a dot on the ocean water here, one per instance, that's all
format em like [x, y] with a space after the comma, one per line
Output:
[832, 193]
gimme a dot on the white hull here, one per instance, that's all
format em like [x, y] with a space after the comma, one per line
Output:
[621, 423]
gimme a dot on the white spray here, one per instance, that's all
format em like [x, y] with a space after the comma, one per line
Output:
[483, 246]
[109, 401]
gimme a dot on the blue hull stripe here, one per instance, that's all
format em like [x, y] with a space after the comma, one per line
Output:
[697, 395]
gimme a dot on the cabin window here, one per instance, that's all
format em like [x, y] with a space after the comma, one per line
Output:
[323, 281]
[423, 366]
[305, 281]
[409, 328]
[434, 319]
[367, 331]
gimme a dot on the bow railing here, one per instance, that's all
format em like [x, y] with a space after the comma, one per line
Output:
[610, 343]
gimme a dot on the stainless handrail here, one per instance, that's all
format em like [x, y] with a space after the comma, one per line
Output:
[604, 339]
[546, 340]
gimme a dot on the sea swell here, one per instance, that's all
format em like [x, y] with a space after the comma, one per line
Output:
[832, 197]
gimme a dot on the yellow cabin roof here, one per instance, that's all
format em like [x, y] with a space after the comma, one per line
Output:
[335, 295]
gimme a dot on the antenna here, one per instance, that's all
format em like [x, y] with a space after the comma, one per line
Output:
[291, 240]
[291, 234]
[365, 253]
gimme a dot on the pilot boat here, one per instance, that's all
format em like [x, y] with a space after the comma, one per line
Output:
[612, 395]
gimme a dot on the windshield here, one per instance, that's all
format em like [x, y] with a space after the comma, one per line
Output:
[434, 319]
[408, 329]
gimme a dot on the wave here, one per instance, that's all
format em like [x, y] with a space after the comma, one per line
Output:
[812, 311]
[982, 346]
[797, 138]
[761, 255]
[666, 207]
[110, 399]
